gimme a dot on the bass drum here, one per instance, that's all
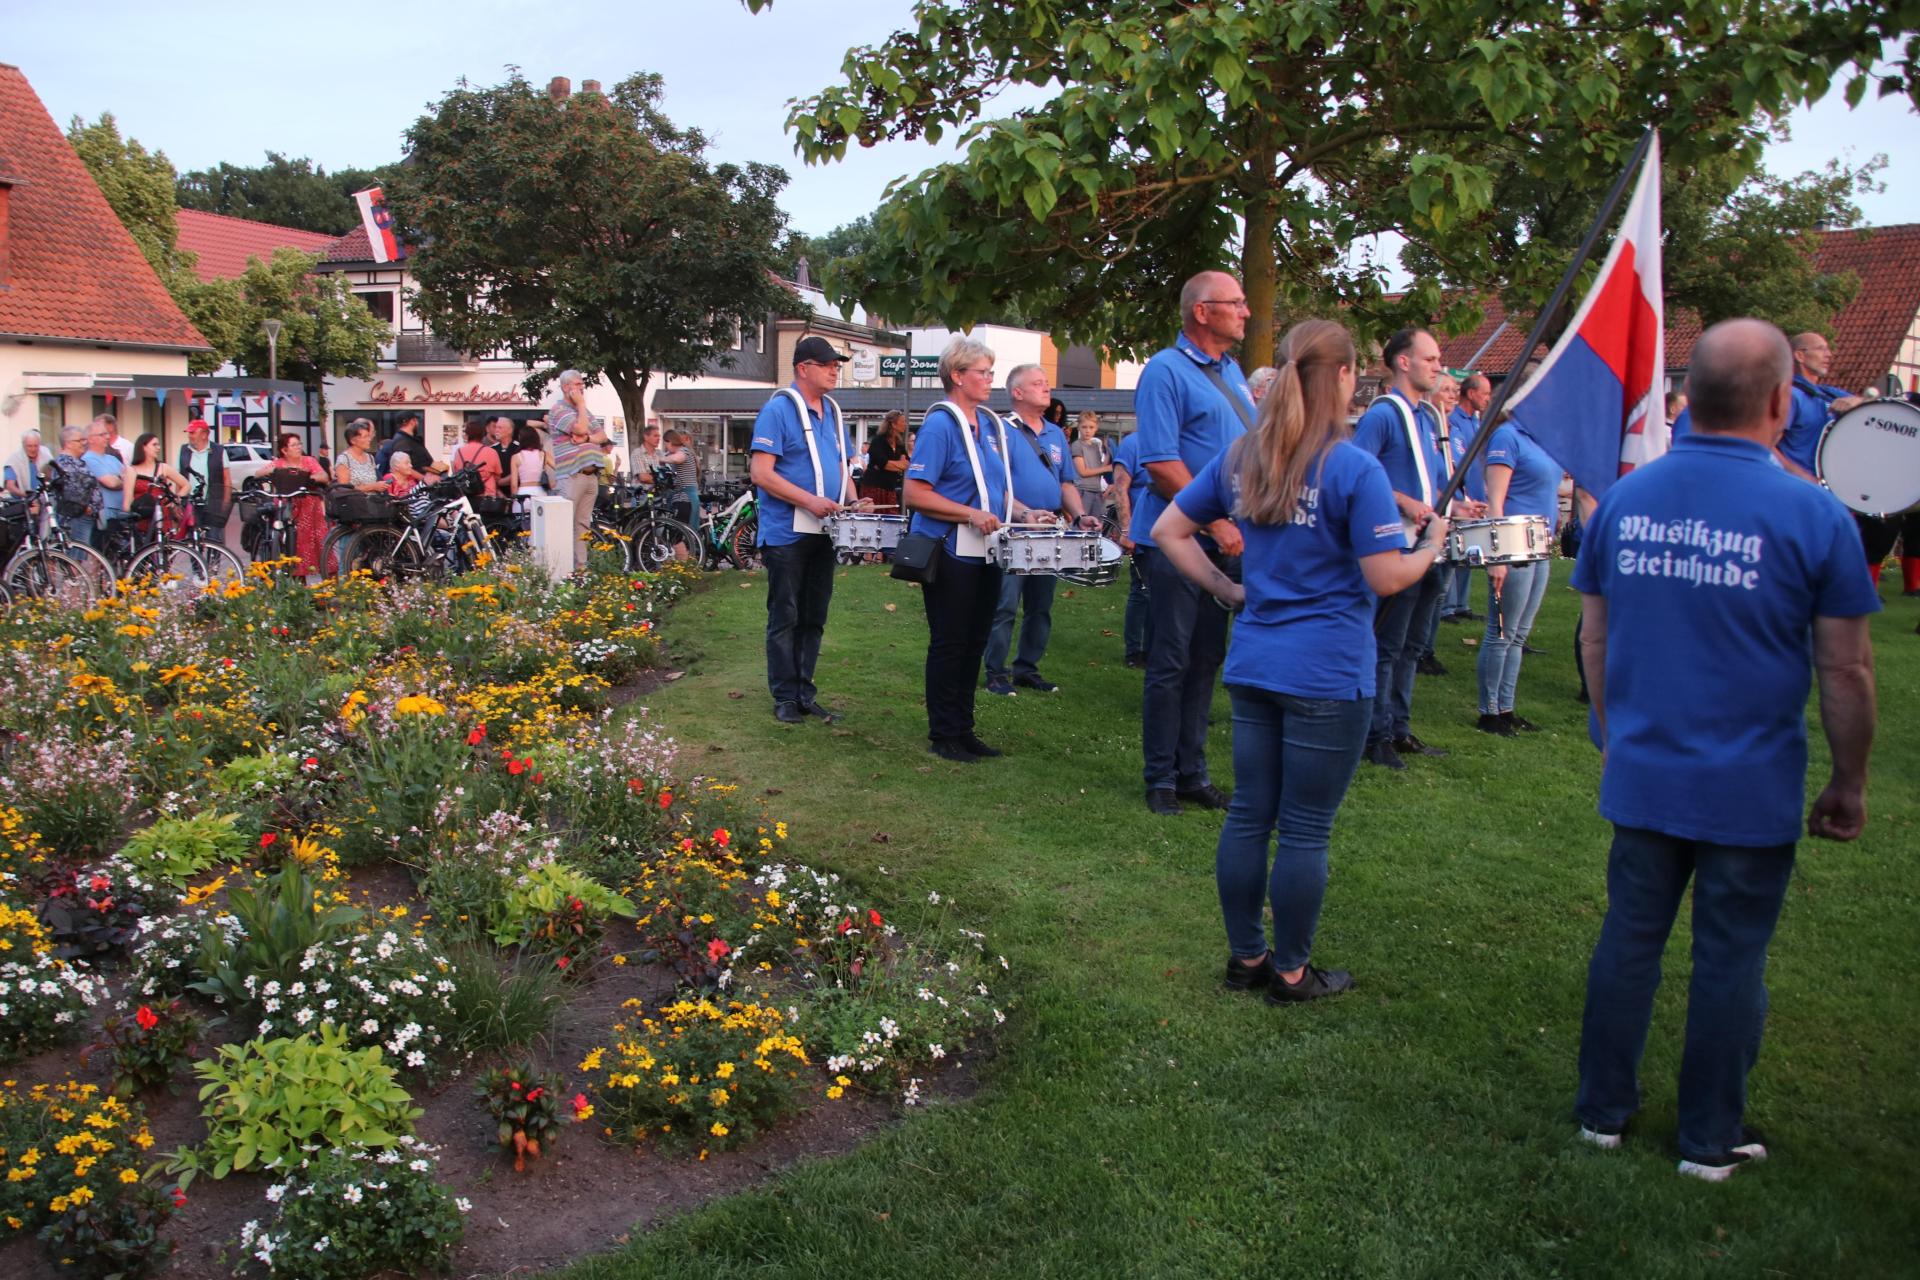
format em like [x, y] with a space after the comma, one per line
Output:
[1869, 458]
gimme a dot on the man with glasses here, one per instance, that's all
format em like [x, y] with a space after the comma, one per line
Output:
[578, 463]
[800, 466]
[1814, 405]
[1192, 402]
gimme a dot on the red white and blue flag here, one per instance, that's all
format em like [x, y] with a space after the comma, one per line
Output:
[1598, 401]
[378, 224]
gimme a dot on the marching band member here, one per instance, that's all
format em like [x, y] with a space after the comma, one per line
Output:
[800, 468]
[1522, 480]
[1323, 540]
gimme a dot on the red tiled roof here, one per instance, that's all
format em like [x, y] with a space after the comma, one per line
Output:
[223, 244]
[74, 271]
[1867, 332]
[351, 247]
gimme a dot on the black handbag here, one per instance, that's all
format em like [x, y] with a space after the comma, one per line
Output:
[917, 558]
[347, 505]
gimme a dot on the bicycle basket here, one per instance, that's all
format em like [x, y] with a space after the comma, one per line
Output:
[347, 505]
[14, 524]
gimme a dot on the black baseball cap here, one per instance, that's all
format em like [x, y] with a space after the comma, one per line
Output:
[816, 349]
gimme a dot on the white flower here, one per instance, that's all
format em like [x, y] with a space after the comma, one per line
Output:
[463, 1204]
[938, 1051]
[351, 1195]
[275, 1191]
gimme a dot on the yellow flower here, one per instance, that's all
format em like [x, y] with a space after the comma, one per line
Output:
[141, 668]
[724, 1071]
[718, 1130]
[592, 1061]
[128, 1175]
[834, 1092]
[418, 705]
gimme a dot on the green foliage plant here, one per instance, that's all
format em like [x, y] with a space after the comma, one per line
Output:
[115, 1236]
[349, 1213]
[266, 1101]
[501, 1001]
[278, 923]
[148, 1044]
[178, 849]
[552, 908]
[527, 1108]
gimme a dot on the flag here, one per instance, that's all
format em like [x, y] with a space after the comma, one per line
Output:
[378, 224]
[1598, 401]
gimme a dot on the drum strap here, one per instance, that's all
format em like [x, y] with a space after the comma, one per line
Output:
[813, 447]
[1410, 422]
[973, 454]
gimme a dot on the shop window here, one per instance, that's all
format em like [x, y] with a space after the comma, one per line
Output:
[53, 416]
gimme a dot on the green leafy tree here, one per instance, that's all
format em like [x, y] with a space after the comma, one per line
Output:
[590, 233]
[326, 330]
[289, 193]
[1270, 136]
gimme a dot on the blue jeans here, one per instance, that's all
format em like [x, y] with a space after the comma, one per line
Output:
[1509, 621]
[1035, 592]
[799, 591]
[1293, 759]
[1459, 597]
[80, 529]
[1184, 653]
[1138, 627]
[1737, 894]
[690, 495]
[1400, 628]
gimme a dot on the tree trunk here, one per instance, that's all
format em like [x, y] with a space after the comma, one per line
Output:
[632, 388]
[1259, 272]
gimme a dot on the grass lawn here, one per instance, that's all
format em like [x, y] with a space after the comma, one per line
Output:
[1138, 1120]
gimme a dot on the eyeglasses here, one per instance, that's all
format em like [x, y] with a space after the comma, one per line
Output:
[980, 368]
[1238, 304]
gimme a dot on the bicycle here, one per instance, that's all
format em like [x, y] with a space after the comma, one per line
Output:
[267, 530]
[442, 536]
[629, 514]
[731, 534]
[150, 554]
[204, 540]
[49, 563]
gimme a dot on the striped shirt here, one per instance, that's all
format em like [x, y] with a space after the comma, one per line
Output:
[570, 459]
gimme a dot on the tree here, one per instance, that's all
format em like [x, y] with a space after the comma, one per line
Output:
[326, 330]
[289, 193]
[1183, 135]
[589, 233]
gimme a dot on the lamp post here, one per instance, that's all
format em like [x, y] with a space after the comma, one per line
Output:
[273, 328]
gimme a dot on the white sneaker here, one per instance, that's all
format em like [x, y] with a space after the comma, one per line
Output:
[1751, 1150]
[1601, 1138]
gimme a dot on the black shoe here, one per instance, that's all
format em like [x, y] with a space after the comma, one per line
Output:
[1036, 682]
[1162, 801]
[1527, 648]
[789, 713]
[1520, 722]
[1000, 685]
[1583, 697]
[1314, 984]
[1381, 752]
[1138, 661]
[1206, 795]
[1249, 977]
[979, 748]
[1430, 666]
[1495, 724]
[1412, 746]
[1471, 616]
[815, 709]
[954, 749]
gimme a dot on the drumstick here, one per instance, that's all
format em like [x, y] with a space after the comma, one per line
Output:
[1499, 614]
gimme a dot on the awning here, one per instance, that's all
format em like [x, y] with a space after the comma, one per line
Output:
[158, 386]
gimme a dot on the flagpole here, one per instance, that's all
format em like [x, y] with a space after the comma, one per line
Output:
[1544, 319]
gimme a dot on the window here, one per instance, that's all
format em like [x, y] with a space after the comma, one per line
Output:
[380, 302]
[53, 416]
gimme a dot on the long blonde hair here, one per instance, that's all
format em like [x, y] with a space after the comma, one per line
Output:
[1302, 416]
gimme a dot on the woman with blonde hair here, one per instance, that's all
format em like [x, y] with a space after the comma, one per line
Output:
[1323, 542]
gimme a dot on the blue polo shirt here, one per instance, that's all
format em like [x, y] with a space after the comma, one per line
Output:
[1036, 482]
[777, 431]
[1462, 428]
[940, 459]
[1812, 409]
[1714, 562]
[1534, 487]
[1382, 432]
[113, 502]
[1180, 414]
[1307, 629]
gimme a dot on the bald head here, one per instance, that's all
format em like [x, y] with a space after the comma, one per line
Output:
[1741, 378]
[1208, 284]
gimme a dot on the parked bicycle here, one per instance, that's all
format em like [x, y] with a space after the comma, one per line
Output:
[440, 535]
[141, 550]
[731, 534]
[630, 515]
[47, 562]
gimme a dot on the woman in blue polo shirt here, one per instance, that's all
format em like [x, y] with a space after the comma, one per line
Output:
[1323, 541]
[952, 501]
[1522, 480]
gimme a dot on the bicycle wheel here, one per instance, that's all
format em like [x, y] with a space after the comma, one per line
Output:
[48, 575]
[371, 549]
[222, 565]
[656, 540]
[743, 544]
[468, 551]
[96, 567]
[170, 566]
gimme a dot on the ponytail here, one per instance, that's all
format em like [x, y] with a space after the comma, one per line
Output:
[1300, 420]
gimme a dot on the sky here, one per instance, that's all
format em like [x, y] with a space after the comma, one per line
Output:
[207, 82]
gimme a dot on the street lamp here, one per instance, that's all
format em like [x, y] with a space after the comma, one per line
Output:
[273, 328]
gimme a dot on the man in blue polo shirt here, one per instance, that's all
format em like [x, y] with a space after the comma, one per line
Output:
[1814, 405]
[1712, 583]
[1403, 431]
[1190, 404]
[1043, 482]
[1463, 424]
[800, 468]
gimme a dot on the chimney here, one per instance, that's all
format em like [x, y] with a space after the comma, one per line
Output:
[558, 88]
[590, 86]
[802, 274]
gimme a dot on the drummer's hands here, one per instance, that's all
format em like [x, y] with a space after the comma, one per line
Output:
[1090, 523]
[1497, 575]
[1845, 403]
[1232, 595]
[1468, 509]
[821, 507]
[1433, 529]
[1127, 544]
[1412, 508]
[982, 522]
[1227, 535]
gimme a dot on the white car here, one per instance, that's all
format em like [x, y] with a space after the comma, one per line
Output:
[244, 460]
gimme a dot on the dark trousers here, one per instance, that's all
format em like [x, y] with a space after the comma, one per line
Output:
[799, 590]
[1184, 651]
[1400, 628]
[1737, 894]
[960, 604]
[1138, 627]
[1031, 595]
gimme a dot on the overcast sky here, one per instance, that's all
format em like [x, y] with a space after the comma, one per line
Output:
[207, 82]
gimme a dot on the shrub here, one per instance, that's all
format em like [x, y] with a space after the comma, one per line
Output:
[388, 989]
[612, 784]
[164, 957]
[115, 1236]
[467, 873]
[553, 908]
[267, 1100]
[279, 923]
[528, 1108]
[345, 1214]
[147, 1044]
[178, 849]
[74, 794]
[697, 1073]
[88, 914]
[64, 1145]
[411, 753]
[699, 916]
[43, 1001]
[21, 852]
[501, 1003]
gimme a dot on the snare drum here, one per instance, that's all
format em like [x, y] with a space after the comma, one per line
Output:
[861, 531]
[1508, 540]
[1105, 573]
[1869, 458]
[1049, 550]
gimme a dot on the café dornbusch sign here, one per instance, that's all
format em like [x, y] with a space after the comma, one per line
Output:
[896, 366]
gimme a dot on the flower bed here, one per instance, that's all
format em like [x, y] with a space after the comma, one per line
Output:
[385, 837]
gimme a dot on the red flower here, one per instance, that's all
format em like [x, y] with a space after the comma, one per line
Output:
[179, 1197]
[846, 926]
[722, 837]
[311, 762]
[478, 736]
[636, 785]
[666, 798]
[873, 918]
[267, 839]
[716, 949]
[579, 1103]
[98, 883]
[563, 962]
[534, 1093]
[514, 1085]
[538, 778]
[146, 1017]
[228, 663]
[516, 767]
[686, 845]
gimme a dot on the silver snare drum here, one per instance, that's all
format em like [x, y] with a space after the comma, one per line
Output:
[1045, 551]
[862, 531]
[1508, 540]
